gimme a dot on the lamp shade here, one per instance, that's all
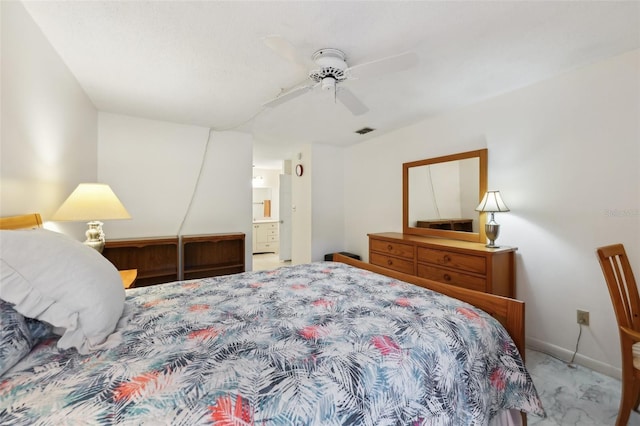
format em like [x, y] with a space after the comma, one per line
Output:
[492, 202]
[91, 201]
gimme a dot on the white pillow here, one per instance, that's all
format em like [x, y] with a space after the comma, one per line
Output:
[54, 278]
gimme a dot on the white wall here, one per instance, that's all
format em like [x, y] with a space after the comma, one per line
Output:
[317, 203]
[301, 213]
[565, 154]
[153, 167]
[49, 125]
[327, 201]
[223, 200]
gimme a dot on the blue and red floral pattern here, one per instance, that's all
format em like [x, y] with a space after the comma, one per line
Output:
[322, 343]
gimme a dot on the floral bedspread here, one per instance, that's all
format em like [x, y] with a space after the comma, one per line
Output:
[322, 343]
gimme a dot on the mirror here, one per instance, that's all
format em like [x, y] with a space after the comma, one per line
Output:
[439, 196]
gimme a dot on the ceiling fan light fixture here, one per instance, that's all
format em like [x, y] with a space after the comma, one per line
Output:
[328, 84]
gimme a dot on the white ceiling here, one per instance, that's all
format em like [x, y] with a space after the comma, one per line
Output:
[205, 62]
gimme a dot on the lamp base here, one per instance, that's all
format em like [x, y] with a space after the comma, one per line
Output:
[95, 236]
[492, 229]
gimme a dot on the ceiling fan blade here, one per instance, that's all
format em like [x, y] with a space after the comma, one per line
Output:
[287, 96]
[350, 101]
[384, 66]
[282, 47]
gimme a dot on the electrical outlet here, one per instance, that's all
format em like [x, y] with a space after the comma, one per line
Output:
[583, 317]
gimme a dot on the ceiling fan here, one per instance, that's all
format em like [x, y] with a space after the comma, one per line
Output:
[330, 71]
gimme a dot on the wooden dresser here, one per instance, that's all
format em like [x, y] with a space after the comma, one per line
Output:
[461, 263]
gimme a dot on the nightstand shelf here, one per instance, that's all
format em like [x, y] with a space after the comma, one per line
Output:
[156, 259]
[212, 255]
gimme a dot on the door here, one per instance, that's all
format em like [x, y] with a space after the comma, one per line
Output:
[285, 217]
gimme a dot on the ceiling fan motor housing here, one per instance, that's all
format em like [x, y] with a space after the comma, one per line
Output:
[332, 65]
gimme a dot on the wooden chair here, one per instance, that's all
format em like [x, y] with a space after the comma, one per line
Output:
[626, 304]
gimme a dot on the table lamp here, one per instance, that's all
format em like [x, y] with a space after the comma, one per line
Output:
[492, 203]
[92, 202]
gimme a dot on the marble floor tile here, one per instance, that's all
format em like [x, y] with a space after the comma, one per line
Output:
[267, 261]
[574, 395]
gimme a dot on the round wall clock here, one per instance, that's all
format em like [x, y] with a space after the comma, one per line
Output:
[299, 170]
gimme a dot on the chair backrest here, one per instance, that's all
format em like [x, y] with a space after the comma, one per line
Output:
[622, 285]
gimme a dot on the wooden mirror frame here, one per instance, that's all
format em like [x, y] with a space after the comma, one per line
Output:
[480, 236]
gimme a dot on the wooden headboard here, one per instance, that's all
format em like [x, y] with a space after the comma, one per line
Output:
[25, 221]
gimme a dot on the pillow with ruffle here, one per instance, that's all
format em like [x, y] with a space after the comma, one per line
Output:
[53, 278]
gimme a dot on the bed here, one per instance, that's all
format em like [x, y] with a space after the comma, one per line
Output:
[322, 343]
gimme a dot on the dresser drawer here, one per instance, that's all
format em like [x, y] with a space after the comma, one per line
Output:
[463, 262]
[450, 277]
[390, 262]
[266, 246]
[395, 249]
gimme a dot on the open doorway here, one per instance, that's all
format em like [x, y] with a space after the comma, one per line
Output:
[270, 234]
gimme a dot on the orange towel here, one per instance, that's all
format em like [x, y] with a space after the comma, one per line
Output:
[267, 208]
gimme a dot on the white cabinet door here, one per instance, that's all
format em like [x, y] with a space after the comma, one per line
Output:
[265, 237]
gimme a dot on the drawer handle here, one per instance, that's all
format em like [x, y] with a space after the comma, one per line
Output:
[447, 277]
[389, 247]
[389, 262]
[446, 258]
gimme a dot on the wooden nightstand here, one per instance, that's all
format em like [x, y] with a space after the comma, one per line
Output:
[155, 258]
[212, 255]
[128, 277]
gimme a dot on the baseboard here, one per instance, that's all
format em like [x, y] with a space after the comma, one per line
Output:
[565, 355]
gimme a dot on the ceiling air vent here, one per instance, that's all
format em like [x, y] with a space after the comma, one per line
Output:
[364, 130]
